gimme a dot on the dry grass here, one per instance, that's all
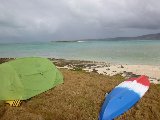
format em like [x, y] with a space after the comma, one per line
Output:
[80, 98]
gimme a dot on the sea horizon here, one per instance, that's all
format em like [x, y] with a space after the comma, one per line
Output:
[117, 51]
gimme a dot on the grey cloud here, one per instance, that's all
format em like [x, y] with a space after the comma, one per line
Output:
[30, 20]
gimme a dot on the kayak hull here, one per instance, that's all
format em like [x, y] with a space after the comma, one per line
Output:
[123, 97]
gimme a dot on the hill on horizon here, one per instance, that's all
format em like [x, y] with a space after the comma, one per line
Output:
[142, 37]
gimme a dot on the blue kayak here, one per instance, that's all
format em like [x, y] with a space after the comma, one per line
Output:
[123, 97]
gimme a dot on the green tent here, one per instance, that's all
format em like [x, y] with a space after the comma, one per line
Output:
[24, 78]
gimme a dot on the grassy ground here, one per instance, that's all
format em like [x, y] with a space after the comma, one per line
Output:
[80, 98]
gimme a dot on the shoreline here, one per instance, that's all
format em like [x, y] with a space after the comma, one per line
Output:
[105, 68]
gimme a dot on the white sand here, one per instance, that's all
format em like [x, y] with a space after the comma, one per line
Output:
[153, 72]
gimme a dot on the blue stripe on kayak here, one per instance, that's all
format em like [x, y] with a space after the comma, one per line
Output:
[117, 102]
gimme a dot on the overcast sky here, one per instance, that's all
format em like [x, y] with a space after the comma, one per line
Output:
[46, 20]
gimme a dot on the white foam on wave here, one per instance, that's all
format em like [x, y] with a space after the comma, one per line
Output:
[80, 41]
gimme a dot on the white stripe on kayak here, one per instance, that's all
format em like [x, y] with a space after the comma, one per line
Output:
[136, 87]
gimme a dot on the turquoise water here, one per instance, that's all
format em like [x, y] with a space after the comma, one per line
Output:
[124, 52]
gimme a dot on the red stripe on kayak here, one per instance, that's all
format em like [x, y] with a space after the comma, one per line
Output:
[142, 80]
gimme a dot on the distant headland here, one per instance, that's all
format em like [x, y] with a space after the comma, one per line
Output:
[142, 37]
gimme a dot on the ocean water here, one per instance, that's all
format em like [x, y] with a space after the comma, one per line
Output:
[121, 52]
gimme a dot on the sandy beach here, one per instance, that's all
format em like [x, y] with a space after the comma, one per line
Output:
[82, 94]
[105, 68]
[127, 71]
[153, 72]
